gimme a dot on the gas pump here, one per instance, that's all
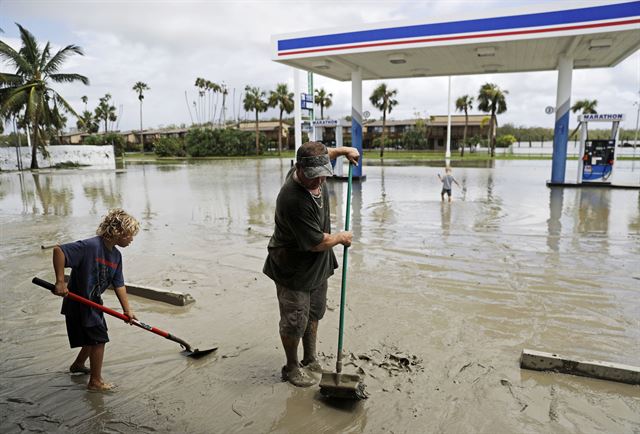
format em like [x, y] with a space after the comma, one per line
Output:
[596, 158]
[319, 126]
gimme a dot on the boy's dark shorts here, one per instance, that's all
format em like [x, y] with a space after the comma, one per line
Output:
[297, 308]
[80, 336]
[446, 190]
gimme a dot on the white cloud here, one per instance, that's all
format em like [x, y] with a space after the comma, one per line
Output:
[167, 44]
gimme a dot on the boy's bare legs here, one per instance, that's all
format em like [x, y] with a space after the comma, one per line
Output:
[78, 365]
[96, 356]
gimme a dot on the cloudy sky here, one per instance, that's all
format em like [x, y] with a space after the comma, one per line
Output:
[167, 44]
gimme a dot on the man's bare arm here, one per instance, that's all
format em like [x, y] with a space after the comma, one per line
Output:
[352, 154]
[332, 240]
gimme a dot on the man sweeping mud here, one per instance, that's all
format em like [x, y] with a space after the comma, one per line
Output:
[301, 257]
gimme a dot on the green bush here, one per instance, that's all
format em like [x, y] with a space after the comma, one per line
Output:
[170, 147]
[114, 139]
[201, 142]
[505, 141]
[414, 139]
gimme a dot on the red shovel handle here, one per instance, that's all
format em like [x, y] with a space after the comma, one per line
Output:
[51, 287]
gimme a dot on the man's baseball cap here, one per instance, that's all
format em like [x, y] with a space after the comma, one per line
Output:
[313, 158]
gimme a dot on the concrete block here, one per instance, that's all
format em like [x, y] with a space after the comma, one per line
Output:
[542, 361]
[158, 294]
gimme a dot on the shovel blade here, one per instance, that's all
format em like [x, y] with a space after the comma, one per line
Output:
[196, 353]
[342, 386]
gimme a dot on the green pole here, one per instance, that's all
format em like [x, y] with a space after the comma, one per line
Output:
[343, 291]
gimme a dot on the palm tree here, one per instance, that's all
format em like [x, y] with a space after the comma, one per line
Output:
[323, 99]
[224, 90]
[464, 104]
[283, 99]
[105, 111]
[140, 87]
[85, 100]
[383, 99]
[585, 107]
[254, 100]
[28, 88]
[87, 122]
[491, 99]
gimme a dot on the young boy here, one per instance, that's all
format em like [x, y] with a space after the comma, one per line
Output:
[446, 183]
[95, 264]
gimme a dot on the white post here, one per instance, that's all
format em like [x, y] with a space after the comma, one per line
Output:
[356, 118]
[297, 109]
[340, 160]
[583, 139]
[447, 154]
[561, 129]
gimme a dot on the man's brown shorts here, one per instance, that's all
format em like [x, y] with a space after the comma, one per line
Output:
[297, 308]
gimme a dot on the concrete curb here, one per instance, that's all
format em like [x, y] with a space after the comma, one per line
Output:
[171, 297]
[541, 361]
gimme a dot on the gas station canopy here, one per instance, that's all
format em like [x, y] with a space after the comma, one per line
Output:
[597, 34]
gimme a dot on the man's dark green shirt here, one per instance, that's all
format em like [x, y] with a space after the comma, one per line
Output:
[300, 225]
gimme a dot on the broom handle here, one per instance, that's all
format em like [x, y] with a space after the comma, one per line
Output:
[343, 292]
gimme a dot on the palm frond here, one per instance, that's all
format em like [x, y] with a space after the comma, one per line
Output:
[11, 55]
[29, 50]
[53, 65]
[63, 102]
[69, 78]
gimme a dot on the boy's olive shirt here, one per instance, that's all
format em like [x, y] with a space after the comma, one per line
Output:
[300, 224]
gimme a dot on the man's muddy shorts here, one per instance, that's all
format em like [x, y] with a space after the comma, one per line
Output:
[297, 308]
[447, 191]
[80, 336]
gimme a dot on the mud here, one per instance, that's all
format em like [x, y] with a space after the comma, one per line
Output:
[441, 300]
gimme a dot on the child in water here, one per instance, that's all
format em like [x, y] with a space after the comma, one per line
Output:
[95, 265]
[447, 181]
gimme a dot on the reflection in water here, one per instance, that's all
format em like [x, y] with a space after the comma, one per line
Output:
[490, 217]
[53, 201]
[593, 210]
[634, 222]
[302, 414]
[258, 210]
[445, 217]
[554, 225]
[383, 212]
[102, 192]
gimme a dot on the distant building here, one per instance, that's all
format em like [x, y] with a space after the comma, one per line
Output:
[435, 129]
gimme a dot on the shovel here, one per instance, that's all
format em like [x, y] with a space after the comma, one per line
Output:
[188, 351]
[339, 385]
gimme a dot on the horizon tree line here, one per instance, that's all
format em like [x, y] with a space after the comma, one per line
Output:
[26, 95]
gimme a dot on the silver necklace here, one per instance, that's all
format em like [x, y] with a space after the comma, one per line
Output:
[317, 199]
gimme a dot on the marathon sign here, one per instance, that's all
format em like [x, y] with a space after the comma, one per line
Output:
[325, 123]
[601, 117]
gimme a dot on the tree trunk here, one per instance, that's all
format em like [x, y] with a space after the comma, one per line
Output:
[257, 135]
[321, 111]
[141, 137]
[493, 135]
[280, 134]
[464, 134]
[384, 124]
[34, 149]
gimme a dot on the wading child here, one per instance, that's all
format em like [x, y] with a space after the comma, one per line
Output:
[95, 265]
[447, 181]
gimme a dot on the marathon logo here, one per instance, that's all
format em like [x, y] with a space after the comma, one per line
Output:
[608, 117]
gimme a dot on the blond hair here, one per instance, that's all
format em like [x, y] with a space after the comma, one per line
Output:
[117, 223]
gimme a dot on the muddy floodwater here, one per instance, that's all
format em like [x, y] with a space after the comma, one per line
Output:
[442, 298]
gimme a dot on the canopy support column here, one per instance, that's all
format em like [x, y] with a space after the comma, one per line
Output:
[561, 129]
[297, 109]
[356, 118]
